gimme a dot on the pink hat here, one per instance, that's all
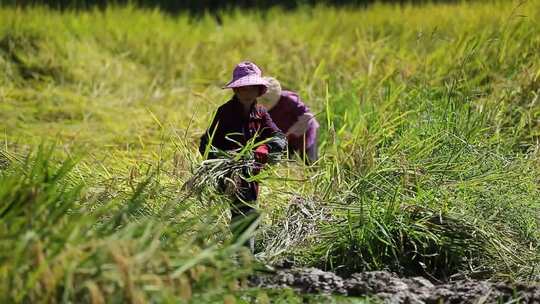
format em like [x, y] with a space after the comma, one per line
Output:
[247, 73]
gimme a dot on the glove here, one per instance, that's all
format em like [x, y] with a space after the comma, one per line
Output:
[261, 154]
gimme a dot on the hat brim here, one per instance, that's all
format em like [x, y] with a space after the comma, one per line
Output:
[249, 80]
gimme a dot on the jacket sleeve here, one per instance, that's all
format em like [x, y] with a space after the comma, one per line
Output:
[297, 107]
[278, 141]
[205, 138]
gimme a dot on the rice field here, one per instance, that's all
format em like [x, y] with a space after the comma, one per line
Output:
[429, 144]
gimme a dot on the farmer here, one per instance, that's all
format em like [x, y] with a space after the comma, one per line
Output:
[236, 122]
[293, 117]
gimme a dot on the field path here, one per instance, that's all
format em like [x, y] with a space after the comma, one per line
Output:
[393, 289]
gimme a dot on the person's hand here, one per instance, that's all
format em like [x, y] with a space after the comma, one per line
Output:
[300, 127]
[261, 154]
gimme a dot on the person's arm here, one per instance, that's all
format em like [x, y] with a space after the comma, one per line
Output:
[269, 130]
[211, 131]
[304, 116]
[300, 127]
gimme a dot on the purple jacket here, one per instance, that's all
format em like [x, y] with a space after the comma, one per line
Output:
[233, 130]
[285, 114]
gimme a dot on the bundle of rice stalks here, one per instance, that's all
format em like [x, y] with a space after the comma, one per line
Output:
[224, 172]
[300, 221]
[213, 172]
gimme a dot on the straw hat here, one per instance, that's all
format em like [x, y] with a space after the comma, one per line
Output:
[273, 93]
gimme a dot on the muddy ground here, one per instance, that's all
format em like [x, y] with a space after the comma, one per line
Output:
[392, 289]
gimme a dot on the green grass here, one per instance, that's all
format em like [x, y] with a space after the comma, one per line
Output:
[429, 142]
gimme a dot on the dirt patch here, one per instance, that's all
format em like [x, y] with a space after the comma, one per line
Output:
[392, 289]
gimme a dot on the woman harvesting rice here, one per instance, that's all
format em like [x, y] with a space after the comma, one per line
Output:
[294, 118]
[237, 122]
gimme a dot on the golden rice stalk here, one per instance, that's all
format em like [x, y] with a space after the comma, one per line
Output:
[96, 297]
[185, 288]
